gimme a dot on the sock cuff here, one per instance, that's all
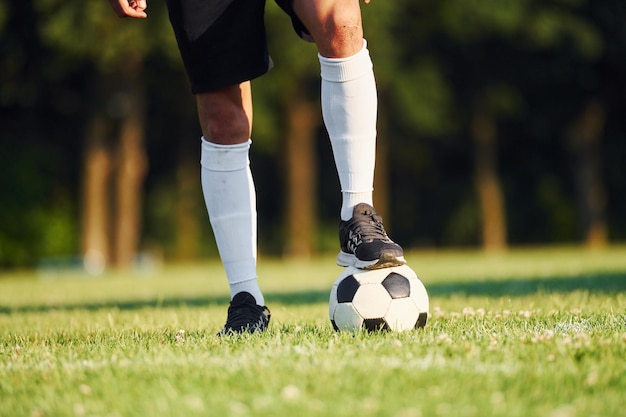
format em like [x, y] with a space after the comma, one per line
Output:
[224, 158]
[346, 69]
[356, 191]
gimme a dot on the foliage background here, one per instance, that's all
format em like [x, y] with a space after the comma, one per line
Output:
[532, 69]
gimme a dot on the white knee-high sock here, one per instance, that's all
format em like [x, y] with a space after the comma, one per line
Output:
[230, 199]
[349, 108]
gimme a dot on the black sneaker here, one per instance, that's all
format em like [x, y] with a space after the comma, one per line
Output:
[244, 315]
[364, 242]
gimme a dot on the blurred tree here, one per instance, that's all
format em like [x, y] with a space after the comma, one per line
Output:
[601, 90]
[585, 142]
[378, 19]
[117, 50]
[541, 82]
[36, 205]
[292, 89]
[289, 91]
[470, 74]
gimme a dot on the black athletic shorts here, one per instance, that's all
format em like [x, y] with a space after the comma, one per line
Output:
[223, 42]
[298, 26]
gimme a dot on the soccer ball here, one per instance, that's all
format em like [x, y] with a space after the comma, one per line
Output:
[381, 299]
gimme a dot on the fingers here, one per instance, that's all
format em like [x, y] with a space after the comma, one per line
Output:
[139, 5]
[136, 8]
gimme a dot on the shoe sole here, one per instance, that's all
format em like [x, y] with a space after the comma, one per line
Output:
[386, 260]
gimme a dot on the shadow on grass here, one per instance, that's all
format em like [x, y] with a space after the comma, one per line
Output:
[597, 283]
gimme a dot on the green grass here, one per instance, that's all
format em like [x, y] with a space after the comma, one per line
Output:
[537, 332]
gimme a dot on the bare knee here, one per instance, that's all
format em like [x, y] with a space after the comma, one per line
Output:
[335, 25]
[226, 115]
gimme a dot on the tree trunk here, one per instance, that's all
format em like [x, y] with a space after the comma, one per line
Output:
[95, 206]
[188, 189]
[585, 139]
[381, 175]
[131, 169]
[303, 120]
[487, 182]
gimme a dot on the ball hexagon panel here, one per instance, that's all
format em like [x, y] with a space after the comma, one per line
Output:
[419, 295]
[370, 276]
[402, 315]
[403, 270]
[371, 301]
[345, 317]
[332, 303]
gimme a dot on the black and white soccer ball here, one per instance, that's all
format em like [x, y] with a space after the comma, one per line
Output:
[382, 299]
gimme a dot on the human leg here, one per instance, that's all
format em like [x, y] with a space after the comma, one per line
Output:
[349, 97]
[230, 197]
[222, 50]
[349, 109]
[227, 183]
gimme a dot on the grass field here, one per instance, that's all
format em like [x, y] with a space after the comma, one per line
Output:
[537, 332]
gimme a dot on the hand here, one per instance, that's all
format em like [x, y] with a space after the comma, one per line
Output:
[132, 8]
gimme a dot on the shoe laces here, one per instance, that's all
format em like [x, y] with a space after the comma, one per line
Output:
[244, 315]
[371, 228]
